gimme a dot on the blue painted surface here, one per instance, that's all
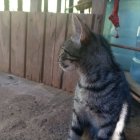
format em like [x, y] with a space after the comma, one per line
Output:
[135, 65]
[129, 13]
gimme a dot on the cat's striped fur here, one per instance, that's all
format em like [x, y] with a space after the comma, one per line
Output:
[101, 101]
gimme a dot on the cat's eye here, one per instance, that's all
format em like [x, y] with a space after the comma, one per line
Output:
[69, 56]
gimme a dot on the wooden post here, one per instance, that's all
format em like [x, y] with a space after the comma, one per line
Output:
[99, 9]
[70, 5]
[65, 6]
[34, 45]
[5, 41]
[20, 4]
[45, 5]
[59, 6]
[60, 36]
[6, 5]
[18, 25]
[50, 34]
[36, 5]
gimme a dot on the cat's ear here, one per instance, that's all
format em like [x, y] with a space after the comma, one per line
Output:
[82, 34]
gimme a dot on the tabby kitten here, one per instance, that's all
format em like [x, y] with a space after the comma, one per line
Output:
[101, 101]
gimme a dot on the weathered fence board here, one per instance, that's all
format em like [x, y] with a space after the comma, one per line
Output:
[20, 5]
[98, 24]
[49, 48]
[35, 5]
[34, 50]
[4, 41]
[18, 36]
[60, 34]
[45, 5]
[70, 78]
[6, 5]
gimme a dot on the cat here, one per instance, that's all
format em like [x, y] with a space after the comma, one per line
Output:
[102, 98]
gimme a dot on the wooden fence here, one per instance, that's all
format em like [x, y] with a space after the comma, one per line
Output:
[30, 43]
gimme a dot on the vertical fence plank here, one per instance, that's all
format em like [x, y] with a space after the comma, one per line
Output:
[34, 50]
[98, 24]
[87, 19]
[20, 5]
[45, 5]
[6, 5]
[70, 78]
[49, 48]
[35, 5]
[70, 5]
[98, 9]
[60, 38]
[18, 35]
[4, 41]
[58, 6]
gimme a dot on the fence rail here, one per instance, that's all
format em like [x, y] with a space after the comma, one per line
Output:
[30, 42]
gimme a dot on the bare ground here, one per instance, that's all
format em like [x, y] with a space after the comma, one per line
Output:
[32, 111]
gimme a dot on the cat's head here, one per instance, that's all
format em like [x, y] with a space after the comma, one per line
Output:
[84, 49]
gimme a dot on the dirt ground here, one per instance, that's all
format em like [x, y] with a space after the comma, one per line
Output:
[32, 111]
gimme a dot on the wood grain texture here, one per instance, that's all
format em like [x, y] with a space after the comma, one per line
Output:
[6, 5]
[99, 10]
[60, 34]
[35, 5]
[4, 41]
[86, 18]
[20, 5]
[98, 24]
[70, 78]
[34, 50]
[99, 7]
[50, 36]
[18, 36]
[45, 5]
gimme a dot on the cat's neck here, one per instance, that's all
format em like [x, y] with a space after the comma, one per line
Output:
[96, 74]
[87, 78]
